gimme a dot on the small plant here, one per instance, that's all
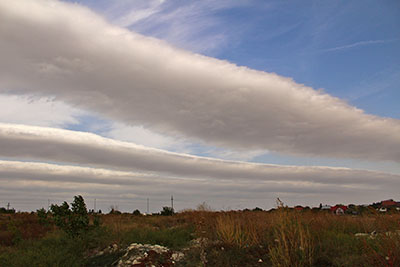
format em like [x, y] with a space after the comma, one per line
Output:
[204, 207]
[43, 218]
[236, 231]
[167, 211]
[6, 211]
[114, 210]
[293, 241]
[136, 212]
[75, 220]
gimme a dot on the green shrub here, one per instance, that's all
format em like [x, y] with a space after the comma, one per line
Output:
[167, 211]
[43, 216]
[75, 220]
[136, 212]
[55, 250]
[7, 211]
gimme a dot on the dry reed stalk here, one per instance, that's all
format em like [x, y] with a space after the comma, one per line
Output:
[237, 230]
[293, 242]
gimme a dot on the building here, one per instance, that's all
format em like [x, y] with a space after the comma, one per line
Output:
[339, 209]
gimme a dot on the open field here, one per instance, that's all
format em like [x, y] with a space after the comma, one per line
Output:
[237, 238]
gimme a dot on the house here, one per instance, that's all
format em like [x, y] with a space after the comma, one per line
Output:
[339, 209]
[298, 208]
[325, 207]
[388, 203]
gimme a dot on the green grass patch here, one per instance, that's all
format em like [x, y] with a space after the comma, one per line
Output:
[104, 260]
[55, 249]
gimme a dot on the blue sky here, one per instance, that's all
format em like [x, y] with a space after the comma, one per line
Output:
[85, 74]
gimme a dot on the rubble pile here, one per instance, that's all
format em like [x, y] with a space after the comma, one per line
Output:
[149, 255]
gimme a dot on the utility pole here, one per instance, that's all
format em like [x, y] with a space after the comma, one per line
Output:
[8, 206]
[148, 206]
[94, 205]
[172, 202]
[48, 204]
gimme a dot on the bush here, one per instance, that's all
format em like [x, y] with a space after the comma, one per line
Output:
[52, 250]
[74, 221]
[6, 211]
[136, 212]
[167, 211]
[43, 217]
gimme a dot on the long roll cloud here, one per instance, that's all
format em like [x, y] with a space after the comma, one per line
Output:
[86, 149]
[68, 52]
[112, 170]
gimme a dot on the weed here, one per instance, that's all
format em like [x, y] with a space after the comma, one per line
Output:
[293, 242]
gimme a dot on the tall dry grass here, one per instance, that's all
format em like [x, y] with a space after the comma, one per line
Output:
[293, 242]
[281, 238]
[237, 230]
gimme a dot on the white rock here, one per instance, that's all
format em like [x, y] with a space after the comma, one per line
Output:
[177, 256]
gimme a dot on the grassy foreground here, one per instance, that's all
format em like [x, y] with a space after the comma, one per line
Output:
[236, 238]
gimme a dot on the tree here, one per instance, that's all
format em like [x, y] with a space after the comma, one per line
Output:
[136, 212]
[6, 211]
[42, 215]
[167, 211]
[75, 220]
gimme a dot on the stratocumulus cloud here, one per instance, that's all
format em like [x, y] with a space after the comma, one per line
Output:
[67, 52]
[29, 184]
[64, 146]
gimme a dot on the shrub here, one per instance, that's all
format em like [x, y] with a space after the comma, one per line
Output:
[75, 220]
[43, 218]
[7, 211]
[136, 212]
[167, 211]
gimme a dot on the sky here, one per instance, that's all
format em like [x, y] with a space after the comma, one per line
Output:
[232, 103]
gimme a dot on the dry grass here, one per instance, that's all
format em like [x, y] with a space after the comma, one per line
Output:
[20, 226]
[236, 231]
[293, 243]
[281, 238]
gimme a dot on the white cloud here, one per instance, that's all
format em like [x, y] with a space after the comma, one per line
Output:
[135, 13]
[28, 184]
[142, 136]
[66, 51]
[356, 44]
[57, 145]
[190, 24]
[40, 111]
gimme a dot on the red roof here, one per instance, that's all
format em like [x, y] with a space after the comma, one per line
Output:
[389, 202]
[334, 208]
